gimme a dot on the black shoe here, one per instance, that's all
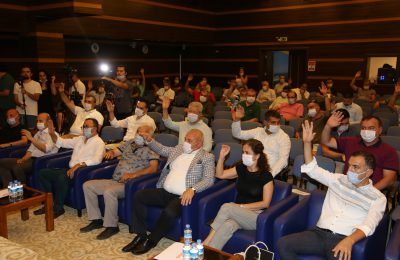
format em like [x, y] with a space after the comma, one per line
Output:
[108, 232]
[59, 213]
[40, 211]
[136, 241]
[94, 224]
[144, 247]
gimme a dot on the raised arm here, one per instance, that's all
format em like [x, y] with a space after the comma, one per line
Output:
[175, 126]
[333, 121]
[53, 85]
[353, 81]
[393, 98]
[65, 99]
[117, 83]
[187, 87]
[236, 127]
[220, 172]
[162, 150]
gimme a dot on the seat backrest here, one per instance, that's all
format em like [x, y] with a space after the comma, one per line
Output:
[296, 148]
[223, 115]
[167, 139]
[221, 124]
[393, 141]
[354, 129]
[178, 110]
[111, 134]
[390, 116]
[59, 162]
[157, 117]
[177, 117]
[221, 108]
[289, 130]
[296, 123]
[282, 190]
[315, 204]
[323, 162]
[393, 131]
[223, 136]
[234, 156]
[249, 125]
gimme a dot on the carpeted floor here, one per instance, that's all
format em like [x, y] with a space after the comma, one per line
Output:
[65, 242]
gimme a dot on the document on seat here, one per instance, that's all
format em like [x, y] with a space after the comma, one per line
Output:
[174, 251]
[3, 193]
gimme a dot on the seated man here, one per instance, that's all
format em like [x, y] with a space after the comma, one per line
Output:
[291, 110]
[133, 122]
[194, 122]
[266, 93]
[301, 92]
[165, 91]
[387, 162]
[189, 169]
[88, 151]
[251, 108]
[280, 99]
[281, 84]
[89, 111]
[318, 117]
[341, 131]
[202, 90]
[276, 142]
[41, 144]
[137, 160]
[10, 135]
[351, 211]
[366, 92]
[354, 110]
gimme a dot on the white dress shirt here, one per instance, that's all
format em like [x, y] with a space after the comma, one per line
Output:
[355, 111]
[276, 146]
[184, 127]
[43, 137]
[91, 152]
[175, 182]
[132, 123]
[347, 207]
[298, 93]
[81, 116]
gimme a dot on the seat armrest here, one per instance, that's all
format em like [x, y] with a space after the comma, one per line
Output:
[393, 246]
[102, 173]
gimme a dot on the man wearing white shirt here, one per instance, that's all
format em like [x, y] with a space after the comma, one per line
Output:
[302, 93]
[89, 111]
[355, 111]
[132, 123]
[77, 86]
[351, 211]
[276, 142]
[88, 150]
[26, 97]
[189, 169]
[41, 144]
[194, 121]
[165, 91]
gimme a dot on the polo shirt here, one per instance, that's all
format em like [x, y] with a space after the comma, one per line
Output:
[252, 111]
[123, 102]
[290, 112]
[384, 154]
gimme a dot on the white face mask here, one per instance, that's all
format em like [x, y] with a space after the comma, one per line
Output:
[139, 140]
[40, 126]
[366, 87]
[251, 100]
[265, 88]
[87, 132]
[343, 128]
[192, 117]
[121, 78]
[87, 106]
[368, 135]
[139, 112]
[292, 101]
[247, 159]
[274, 128]
[11, 121]
[353, 177]
[284, 94]
[187, 147]
[203, 99]
[312, 112]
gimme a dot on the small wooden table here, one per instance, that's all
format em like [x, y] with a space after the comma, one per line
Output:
[30, 198]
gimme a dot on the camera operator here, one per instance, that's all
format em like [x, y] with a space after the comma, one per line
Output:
[89, 111]
[26, 96]
[122, 89]
[76, 86]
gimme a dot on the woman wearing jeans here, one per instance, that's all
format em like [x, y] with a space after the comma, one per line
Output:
[254, 186]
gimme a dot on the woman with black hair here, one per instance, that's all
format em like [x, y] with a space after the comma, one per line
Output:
[254, 186]
[45, 104]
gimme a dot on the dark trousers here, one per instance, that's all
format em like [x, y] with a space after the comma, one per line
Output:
[155, 197]
[9, 170]
[311, 242]
[57, 182]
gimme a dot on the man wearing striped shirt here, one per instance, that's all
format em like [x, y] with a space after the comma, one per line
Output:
[352, 208]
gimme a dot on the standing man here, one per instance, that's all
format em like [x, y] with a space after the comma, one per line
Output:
[6, 93]
[88, 150]
[122, 89]
[26, 96]
[189, 169]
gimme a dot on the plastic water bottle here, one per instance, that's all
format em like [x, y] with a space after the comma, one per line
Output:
[200, 249]
[186, 251]
[10, 190]
[194, 253]
[20, 190]
[187, 234]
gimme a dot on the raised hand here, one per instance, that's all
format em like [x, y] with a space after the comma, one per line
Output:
[225, 150]
[308, 134]
[190, 77]
[323, 89]
[53, 78]
[335, 119]
[358, 74]
[110, 106]
[50, 127]
[61, 87]
[141, 71]
[397, 88]
[166, 102]
[238, 114]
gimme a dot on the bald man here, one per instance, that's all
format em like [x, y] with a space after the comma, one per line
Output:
[137, 160]
[10, 135]
[41, 144]
[189, 169]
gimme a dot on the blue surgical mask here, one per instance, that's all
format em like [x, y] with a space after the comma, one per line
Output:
[87, 132]
[353, 177]
[139, 140]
